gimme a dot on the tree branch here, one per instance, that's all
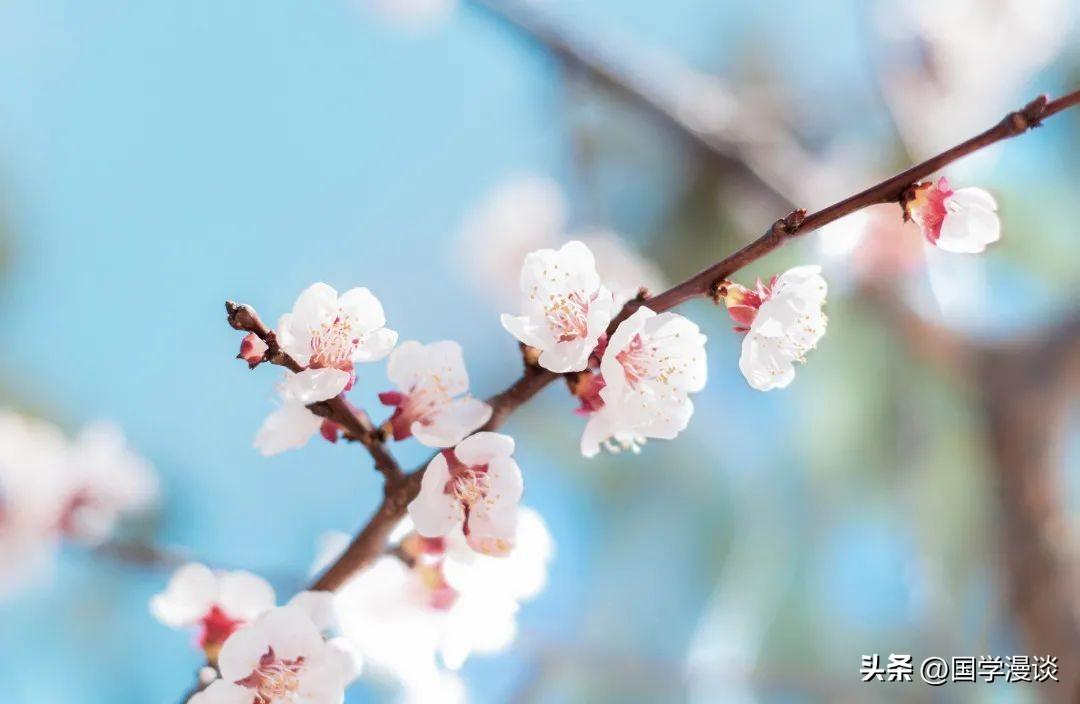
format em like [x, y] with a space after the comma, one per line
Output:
[356, 424]
[714, 123]
[370, 542]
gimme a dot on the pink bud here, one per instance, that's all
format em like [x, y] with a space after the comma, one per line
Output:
[742, 303]
[252, 350]
[330, 430]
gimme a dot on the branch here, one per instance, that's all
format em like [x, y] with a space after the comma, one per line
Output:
[357, 425]
[370, 542]
[1023, 392]
[762, 150]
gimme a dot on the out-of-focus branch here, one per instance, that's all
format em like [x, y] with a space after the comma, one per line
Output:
[1023, 392]
[142, 554]
[357, 426]
[695, 107]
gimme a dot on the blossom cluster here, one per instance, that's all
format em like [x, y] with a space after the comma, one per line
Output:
[415, 616]
[258, 652]
[53, 488]
[469, 553]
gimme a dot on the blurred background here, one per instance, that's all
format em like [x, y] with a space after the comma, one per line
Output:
[914, 491]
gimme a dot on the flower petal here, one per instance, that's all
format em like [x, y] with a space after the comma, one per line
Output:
[288, 428]
[244, 595]
[190, 593]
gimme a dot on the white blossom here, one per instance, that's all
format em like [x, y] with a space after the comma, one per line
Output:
[566, 307]
[650, 366]
[281, 658]
[52, 488]
[108, 480]
[217, 603]
[962, 221]
[291, 425]
[444, 602]
[326, 330]
[782, 322]
[474, 488]
[430, 380]
[483, 618]
[519, 215]
[34, 491]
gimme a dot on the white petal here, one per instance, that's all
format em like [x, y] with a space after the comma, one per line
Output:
[319, 607]
[566, 357]
[973, 198]
[452, 422]
[244, 595]
[376, 345]
[313, 385]
[765, 363]
[969, 231]
[440, 364]
[361, 305]
[483, 447]
[524, 330]
[190, 593]
[287, 428]
[315, 305]
[406, 365]
[222, 692]
[433, 511]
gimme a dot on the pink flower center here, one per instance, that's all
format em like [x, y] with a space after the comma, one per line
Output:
[468, 484]
[568, 316]
[274, 680]
[417, 406]
[217, 626]
[636, 361]
[332, 345]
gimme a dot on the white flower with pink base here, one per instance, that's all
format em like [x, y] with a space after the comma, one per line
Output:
[566, 308]
[325, 330]
[962, 221]
[293, 424]
[281, 658]
[216, 603]
[649, 368]
[474, 488]
[429, 405]
[782, 321]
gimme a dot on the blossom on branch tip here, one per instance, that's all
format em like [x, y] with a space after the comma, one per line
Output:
[428, 378]
[293, 424]
[217, 603]
[962, 221]
[782, 322]
[325, 330]
[474, 487]
[650, 366]
[566, 308]
[281, 658]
